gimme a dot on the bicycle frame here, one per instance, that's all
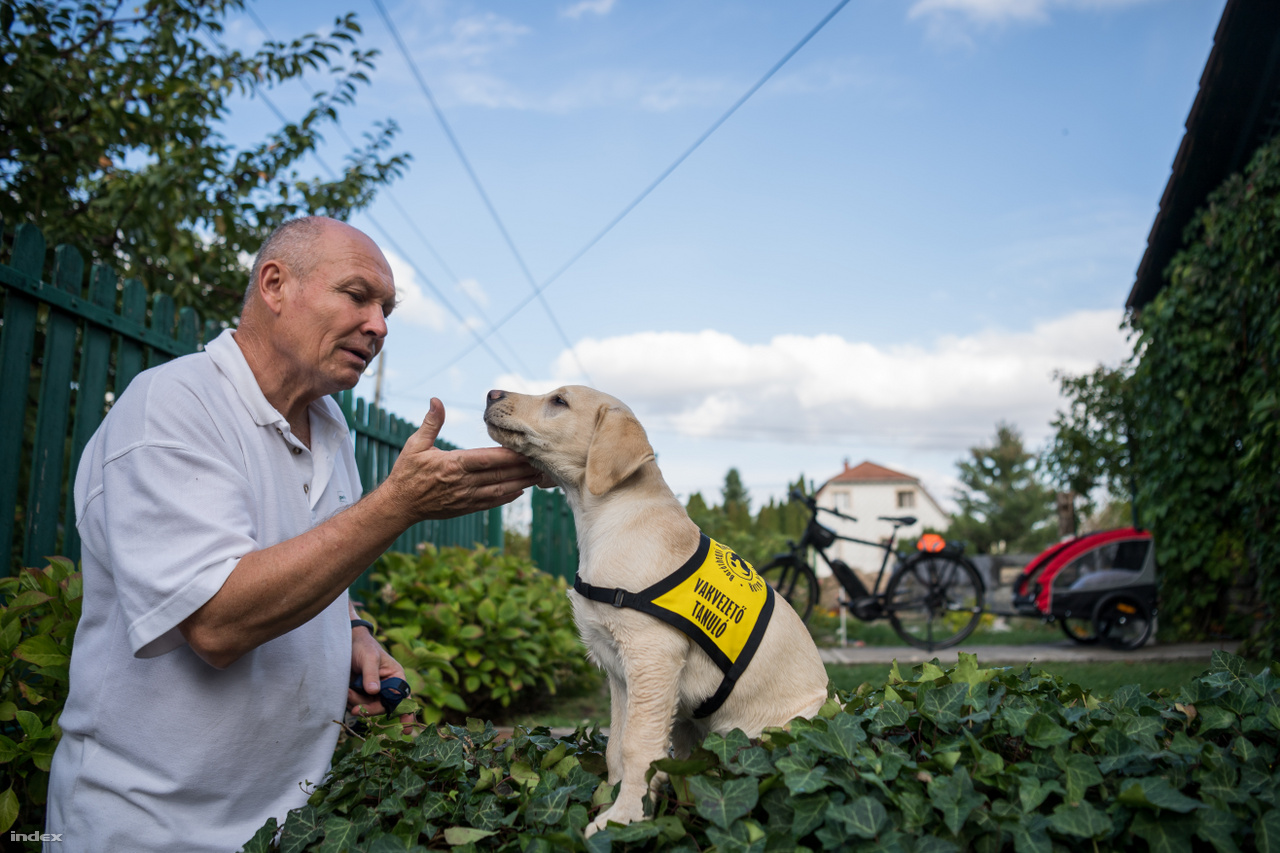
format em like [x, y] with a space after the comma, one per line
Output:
[923, 591]
[808, 542]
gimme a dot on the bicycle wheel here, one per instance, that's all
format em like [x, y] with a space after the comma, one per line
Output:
[1122, 622]
[1079, 629]
[934, 601]
[795, 582]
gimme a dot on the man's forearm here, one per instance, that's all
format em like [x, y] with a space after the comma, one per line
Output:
[273, 591]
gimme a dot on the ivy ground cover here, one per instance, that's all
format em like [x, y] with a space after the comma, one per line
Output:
[964, 758]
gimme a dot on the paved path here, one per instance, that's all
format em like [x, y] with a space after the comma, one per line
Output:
[1066, 650]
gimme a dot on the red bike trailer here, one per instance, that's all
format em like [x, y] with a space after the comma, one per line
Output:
[1099, 587]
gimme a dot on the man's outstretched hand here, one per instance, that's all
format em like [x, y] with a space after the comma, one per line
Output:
[429, 483]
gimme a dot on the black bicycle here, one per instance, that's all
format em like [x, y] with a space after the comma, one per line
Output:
[934, 596]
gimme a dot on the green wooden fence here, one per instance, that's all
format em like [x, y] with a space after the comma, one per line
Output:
[67, 351]
[553, 540]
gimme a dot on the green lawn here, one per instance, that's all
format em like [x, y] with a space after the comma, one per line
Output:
[1101, 678]
[1013, 631]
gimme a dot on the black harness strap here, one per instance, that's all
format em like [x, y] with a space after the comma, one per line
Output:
[643, 601]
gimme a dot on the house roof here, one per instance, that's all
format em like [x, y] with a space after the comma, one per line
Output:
[1236, 109]
[869, 471]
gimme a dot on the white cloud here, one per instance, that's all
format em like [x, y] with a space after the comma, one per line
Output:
[413, 305]
[588, 7]
[588, 91]
[798, 389]
[474, 38]
[942, 14]
[474, 291]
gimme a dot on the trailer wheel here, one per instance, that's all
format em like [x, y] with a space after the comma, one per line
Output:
[1079, 629]
[1122, 621]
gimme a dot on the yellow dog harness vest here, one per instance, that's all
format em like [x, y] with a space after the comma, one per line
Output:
[716, 598]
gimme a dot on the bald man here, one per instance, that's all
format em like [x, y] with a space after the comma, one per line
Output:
[222, 521]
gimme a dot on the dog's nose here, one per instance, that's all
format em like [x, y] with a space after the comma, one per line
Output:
[494, 396]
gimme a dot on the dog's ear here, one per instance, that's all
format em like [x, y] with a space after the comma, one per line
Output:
[618, 448]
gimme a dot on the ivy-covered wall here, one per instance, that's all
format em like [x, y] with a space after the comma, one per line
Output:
[1205, 404]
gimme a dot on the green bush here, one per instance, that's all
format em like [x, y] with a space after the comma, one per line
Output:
[478, 632]
[39, 610]
[935, 760]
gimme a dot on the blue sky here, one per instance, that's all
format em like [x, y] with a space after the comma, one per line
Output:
[887, 249]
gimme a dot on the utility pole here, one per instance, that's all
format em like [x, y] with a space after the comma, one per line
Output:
[377, 387]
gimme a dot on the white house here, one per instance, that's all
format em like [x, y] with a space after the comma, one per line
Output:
[866, 492]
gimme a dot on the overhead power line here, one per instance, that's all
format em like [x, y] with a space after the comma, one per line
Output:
[480, 340]
[654, 185]
[475, 180]
[407, 218]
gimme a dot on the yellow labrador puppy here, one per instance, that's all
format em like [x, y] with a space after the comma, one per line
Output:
[692, 639]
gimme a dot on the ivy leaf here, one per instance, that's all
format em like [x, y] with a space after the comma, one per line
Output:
[603, 795]
[1267, 832]
[524, 775]
[1224, 663]
[1081, 819]
[955, 797]
[435, 806]
[260, 843]
[805, 781]
[340, 835]
[1042, 731]
[1219, 784]
[930, 671]
[1029, 834]
[841, 738]
[1016, 715]
[753, 762]
[409, 784]
[1162, 835]
[944, 705]
[638, 831]
[550, 809]
[484, 813]
[1217, 827]
[722, 804]
[968, 671]
[1215, 717]
[736, 839]
[725, 747]
[890, 715]
[864, 817]
[456, 835]
[1156, 793]
[934, 844]
[1080, 772]
[1118, 749]
[809, 813]
[684, 767]
[387, 844]
[301, 827]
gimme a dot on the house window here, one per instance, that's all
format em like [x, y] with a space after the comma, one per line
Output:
[906, 499]
[842, 501]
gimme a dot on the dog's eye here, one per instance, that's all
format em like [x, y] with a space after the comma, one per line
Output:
[559, 401]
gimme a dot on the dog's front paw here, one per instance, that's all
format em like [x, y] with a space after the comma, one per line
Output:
[617, 813]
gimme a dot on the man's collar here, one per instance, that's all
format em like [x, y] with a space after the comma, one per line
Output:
[229, 359]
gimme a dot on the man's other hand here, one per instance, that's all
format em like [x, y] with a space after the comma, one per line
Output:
[429, 483]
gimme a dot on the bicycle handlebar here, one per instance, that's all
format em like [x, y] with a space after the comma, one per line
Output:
[801, 497]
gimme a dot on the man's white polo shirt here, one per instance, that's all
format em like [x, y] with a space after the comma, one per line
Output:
[191, 470]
